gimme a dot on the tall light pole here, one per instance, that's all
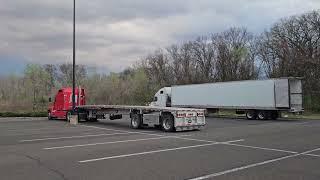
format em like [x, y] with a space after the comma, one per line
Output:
[74, 58]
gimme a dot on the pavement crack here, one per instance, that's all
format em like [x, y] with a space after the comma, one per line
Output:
[40, 163]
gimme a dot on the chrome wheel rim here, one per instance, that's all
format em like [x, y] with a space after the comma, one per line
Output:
[250, 115]
[261, 116]
[134, 122]
[166, 124]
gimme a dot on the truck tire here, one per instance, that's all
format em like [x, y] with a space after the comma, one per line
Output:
[251, 115]
[49, 115]
[262, 115]
[167, 123]
[136, 121]
[68, 116]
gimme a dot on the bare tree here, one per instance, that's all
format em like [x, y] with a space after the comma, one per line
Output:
[292, 48]
[65, 74]
[183, 64]
[158, 68]
[203, 55]
[235, 57]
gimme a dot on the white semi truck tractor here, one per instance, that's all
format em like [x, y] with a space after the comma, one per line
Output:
[258, 99]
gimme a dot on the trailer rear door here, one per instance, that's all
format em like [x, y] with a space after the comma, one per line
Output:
[281, 88]
[295, 95]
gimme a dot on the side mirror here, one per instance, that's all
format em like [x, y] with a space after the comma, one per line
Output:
[50, 99]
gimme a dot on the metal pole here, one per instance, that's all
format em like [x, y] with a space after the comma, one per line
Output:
[74, 58]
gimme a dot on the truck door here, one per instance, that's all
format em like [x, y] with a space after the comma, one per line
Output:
[58, 110]
[162, 99]
[59, 101]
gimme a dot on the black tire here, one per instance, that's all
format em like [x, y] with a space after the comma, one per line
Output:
[167, 123]
[262, 115]
[251, 115]
[49, 115]
[136, 121]
[68, 116]
[274, 115]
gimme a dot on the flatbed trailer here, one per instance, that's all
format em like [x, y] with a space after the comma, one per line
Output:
[168, 118]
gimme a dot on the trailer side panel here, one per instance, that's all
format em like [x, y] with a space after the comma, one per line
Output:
[256, 94]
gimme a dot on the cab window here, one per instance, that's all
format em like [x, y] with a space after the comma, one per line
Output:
[76, 99]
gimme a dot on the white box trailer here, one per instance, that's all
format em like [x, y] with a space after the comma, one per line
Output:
[257, 98]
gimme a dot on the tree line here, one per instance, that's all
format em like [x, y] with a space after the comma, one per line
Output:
[291, 47]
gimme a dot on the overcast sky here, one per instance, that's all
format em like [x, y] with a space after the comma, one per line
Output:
[113, 34]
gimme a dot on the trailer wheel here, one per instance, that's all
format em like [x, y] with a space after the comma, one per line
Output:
[274, 115]
[167, 123]
[262, 115]
[251, 115]
[136, 121]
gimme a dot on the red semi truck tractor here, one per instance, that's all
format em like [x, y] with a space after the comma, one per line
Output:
[168, 118]
[62, 105]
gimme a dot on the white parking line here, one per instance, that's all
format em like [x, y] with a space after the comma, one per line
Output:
[152, 152]
[71, 137]
[247, 146]
[200, 140]
[240, 145]
[111, 142]
[137, 132]
[253, 165]
[314, 155]
[261, 148]
[226, 143]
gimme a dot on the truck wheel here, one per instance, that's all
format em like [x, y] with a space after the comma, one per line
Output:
[68, 116]
[136, 121]
[49, 116]
[167, 123]
[251, 115]
[262, 115]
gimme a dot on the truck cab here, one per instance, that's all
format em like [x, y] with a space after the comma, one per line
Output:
[162, 98]
[62, 104]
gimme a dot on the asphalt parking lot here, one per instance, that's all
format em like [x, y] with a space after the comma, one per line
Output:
[36, 148]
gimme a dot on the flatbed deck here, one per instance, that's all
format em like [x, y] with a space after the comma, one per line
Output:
[126, 107]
